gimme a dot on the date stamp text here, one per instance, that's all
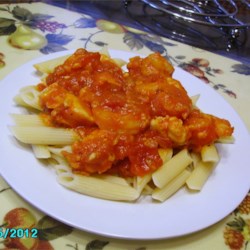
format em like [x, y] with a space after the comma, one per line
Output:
[18, 233]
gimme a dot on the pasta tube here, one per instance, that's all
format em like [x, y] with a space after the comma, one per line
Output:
[58, 150]
[41, 151]
[209, 153]
[194, 99]
[196, 158]
[30, 98]
[114, 179]
[57, 159]
[165, 154]
[227, 139]
[27, 120]
[98, 187]
[171, 168]
[200, 175]
[161, 194]
[105, 55]
[44, 135]
[141, 182]
[48, 66]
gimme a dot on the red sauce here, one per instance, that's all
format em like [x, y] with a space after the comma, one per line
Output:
[123, 118]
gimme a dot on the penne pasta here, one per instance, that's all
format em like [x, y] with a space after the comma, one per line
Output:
[19, 101]
[44, 135]
[195, 99]
[97, 187]
[200, 174]
[113, 179]
[41, 151]
[196, 158]
[161, 194]
[141, 182]
[61, 168]
[104, 52]
[165, 154]
[58, 150]
[209, 153]
[27, 88]
[27, 120]
[148, 190]
[58, 159]
[106, 56]
[228, 139]
[119, 62]
[31, 98]
[171, 168]
[48, 66]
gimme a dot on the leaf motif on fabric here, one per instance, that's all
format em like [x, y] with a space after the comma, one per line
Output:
[55, 43]
[52, 48]
[3, 9]
[133, 41]
[242, 69]
[85, 23]
[40, 17]
[36, 18]
[5, 22]
[155, 47]
[50, 229]
[156, 40]
[5, 189]
[100, 43]
[180, 57]
[7, 26]
[22, 13]
[96, 245]
[59, 39]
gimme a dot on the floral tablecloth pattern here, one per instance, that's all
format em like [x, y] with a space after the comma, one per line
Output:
[56, 29]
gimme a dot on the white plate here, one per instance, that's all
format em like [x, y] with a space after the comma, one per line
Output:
[183, 213]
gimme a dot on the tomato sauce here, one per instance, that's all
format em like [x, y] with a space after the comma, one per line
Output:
[123, 118]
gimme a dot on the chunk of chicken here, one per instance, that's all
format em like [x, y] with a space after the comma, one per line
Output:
[66, 109]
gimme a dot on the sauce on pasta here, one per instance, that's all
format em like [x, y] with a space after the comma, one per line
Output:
[123, 118]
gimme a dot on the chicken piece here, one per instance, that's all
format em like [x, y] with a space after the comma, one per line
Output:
[66, 109]
[52, 96]
[172, 101]
[80, 60]
[142, 155]
[223, 127]
[93, 154]
[151, 67]
[172, 128]
[121, 120]
[205, 129]
[151, 79]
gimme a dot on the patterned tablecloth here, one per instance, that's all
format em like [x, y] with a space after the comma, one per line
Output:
[61, 30]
